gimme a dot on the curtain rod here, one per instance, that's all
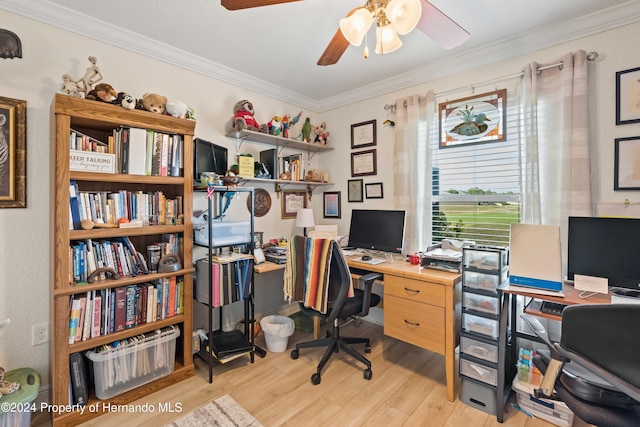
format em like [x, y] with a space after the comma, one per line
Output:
[591, 56]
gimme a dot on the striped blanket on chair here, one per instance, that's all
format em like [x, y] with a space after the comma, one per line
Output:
[306, 277]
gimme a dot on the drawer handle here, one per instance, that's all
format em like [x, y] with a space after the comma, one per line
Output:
[411, 323]
[416, 291]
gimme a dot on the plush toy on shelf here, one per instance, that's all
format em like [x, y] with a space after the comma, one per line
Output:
[321, 133]
[275, 126]
[125, 100]
[306, 130]
[288, 125]
[154, 103]
[243, 118]
[102, 92]
[177, 108]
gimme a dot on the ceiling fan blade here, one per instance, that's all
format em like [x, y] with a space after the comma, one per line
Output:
[442, 29]
[246, 4]
[334, 50]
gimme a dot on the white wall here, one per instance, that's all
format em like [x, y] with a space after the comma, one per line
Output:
[48, 53]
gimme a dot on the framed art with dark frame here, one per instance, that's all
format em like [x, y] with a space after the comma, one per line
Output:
[626, 167]
[373, 190]
[13, 153]
[363, 134]
[628, 96]
[331, 204]
[364, 163]
[354, 193]
[292, 200]
[475, 119]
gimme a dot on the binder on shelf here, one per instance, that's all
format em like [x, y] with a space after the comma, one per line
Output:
[229, 343]
[79, 380]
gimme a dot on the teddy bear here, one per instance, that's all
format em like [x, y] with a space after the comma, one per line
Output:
[243, 118]
[125, 100]
[154, 102]
[102, 92]
[321, 133]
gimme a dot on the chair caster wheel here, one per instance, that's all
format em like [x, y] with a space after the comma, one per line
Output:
[315, 379]
[367, 374]
[367, 349]
[294, 354]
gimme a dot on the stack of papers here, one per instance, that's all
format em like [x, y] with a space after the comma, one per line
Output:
[445, 254]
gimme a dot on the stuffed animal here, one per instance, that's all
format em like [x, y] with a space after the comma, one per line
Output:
[177, 109]
[288, 124]
[321, 133]
[154, 102]
[71, 87]
[306, 130]
[102, 92]
[7, 387]
[317, 175]
[243, 118]
[125, 100]
[275, 126]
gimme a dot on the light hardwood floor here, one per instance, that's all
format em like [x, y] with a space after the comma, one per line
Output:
[407, 389]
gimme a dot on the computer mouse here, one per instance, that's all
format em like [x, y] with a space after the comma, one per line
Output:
[366, 258]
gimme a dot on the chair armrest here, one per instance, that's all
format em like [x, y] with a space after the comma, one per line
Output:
[366, 282]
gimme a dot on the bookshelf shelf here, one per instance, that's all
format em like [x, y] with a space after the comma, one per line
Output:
[101, 121]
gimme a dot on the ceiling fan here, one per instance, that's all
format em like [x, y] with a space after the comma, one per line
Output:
[405, 14]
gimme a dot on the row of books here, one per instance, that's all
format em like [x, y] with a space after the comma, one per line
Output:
[119, 254]
[135, 150]
[103, 207]
[230, 280]
[148, 152]
[292, 164]
[105, 311]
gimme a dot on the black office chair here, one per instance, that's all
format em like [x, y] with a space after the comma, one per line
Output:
[340, 307]
[595, 368]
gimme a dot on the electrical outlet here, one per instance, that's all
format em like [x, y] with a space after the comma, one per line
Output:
[40, 334]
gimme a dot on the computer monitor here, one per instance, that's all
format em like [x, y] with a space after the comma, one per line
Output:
[604, 247]
[208, 157]
[381, 230]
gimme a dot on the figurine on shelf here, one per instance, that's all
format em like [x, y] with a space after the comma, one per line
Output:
[91, 76]
[275, 126]
[70, 87]
[288, 124]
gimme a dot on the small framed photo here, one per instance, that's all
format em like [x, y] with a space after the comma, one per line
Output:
[354, 187]
[364, 163]
[363, 134]
[628, 96]
[627, 164]
[292, 201]
[331, 204]
[257, 240]
[374, 190]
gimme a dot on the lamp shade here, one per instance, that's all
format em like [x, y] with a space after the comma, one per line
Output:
[304, 218]
[387, 40]
[356, 25]
[403, 15]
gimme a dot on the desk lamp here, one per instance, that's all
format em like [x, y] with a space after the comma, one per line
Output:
[304, 219]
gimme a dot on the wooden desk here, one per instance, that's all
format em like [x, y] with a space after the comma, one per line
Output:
[422, 307]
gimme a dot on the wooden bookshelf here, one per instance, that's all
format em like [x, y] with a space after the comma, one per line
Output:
[101, 119]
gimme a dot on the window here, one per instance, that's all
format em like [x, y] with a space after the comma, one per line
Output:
[476, 187]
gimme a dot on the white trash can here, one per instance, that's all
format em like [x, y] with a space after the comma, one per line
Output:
[277, 330]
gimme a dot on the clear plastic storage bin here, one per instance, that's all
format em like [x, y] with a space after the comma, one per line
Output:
[142, 359]
[480, 325]
[225, 233]
[479, 349]
[479, 372]
[554, 411]
[481, 303]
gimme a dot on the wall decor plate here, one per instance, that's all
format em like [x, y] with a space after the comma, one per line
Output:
[262, 202]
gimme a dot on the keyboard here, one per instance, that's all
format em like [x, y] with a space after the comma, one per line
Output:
[553, 308]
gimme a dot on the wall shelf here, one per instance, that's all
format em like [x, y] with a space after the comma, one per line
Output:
[277, 141]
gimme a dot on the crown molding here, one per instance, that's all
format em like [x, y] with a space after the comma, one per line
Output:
[541, 38]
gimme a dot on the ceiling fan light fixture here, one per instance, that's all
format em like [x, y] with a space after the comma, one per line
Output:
[403, 15]
[387, 39]
[355, 26]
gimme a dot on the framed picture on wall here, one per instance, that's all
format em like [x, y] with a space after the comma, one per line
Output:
[628, 96]
[627, 164]
[292, 201]
[373, 190]
[13, 153]
[364, 163]
[331, 204]
[354, 190]
[363, 134]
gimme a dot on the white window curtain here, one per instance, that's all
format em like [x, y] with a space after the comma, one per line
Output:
[412, 167]
[556, 170]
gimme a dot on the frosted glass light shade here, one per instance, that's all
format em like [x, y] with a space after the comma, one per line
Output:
[403, 15]
[387, 40]
[304, 218]
[356, 25]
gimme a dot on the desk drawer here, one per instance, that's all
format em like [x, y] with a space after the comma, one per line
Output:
[414, 290]
[416, 323]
